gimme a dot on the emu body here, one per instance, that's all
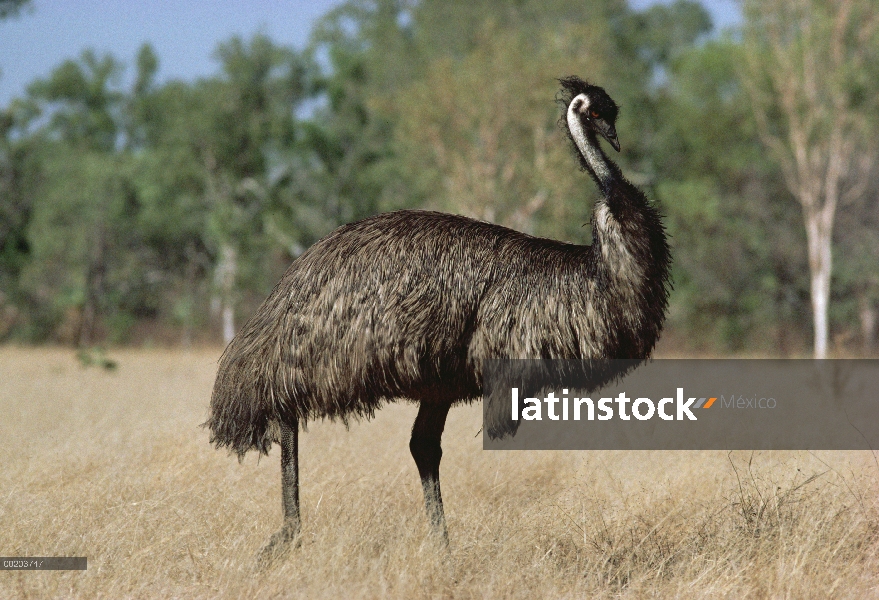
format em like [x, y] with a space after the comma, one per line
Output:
[410, 304]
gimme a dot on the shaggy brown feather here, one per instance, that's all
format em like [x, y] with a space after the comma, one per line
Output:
[410, 304]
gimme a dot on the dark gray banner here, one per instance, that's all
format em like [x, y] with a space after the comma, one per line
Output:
[43, 563]
[681, 404]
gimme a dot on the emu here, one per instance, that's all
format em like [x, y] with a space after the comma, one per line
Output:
[410, 304]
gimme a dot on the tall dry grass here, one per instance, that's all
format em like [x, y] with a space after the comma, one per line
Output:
[113, 466]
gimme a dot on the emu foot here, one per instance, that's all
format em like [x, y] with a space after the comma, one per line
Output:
[439, 533]
[279, 545]
[439, 536]
[438, 548]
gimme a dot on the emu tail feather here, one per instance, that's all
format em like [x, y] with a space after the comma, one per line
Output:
[246, 404]
[239, 420]
[497, 417]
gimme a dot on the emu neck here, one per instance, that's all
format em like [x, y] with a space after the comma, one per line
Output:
[629, 251]
[602, 169]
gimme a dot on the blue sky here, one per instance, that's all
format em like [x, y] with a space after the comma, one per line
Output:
[184, 34]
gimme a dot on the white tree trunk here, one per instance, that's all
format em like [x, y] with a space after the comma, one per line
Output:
[228, 323]
[819, 236]
[225, 277]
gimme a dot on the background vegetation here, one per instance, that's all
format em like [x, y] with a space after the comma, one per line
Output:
[165, 212]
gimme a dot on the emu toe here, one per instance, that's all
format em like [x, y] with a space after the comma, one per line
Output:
[279, 545]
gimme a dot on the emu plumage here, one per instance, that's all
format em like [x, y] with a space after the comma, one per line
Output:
[411, 304]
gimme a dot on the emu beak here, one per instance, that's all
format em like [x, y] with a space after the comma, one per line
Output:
[614, 142]
[610, 134]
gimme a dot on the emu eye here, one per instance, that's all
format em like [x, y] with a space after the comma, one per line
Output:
[594, 115]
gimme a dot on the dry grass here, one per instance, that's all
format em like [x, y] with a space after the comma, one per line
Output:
[113, 466]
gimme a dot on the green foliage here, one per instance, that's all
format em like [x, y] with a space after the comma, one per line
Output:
[126, 211]
[664, 31]
[478, 135]
[738, 246]
[85, 102]
[96, 357]
[10, 8]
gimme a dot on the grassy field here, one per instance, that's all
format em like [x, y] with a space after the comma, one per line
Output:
[113, 466]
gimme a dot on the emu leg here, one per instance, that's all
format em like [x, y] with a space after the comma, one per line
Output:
[290, 475]
[427, 452]
[289, 532]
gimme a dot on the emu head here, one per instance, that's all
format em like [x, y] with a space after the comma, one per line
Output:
[589, 109]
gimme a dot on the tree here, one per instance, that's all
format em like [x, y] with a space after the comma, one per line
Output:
[478, 135]
[740, 264]
[82, 242]
[808, 76]
[116, 204]
[19, 182]
[10, 8]
[83, 101]
[347, 144]
[244, 130]
[856, 278]
[75, 233]
[463, 90]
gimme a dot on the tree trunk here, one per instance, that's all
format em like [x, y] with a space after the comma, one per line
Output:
[868, 316]
[191, 283]
[226, 275]
[819, 234]
[228, 323]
